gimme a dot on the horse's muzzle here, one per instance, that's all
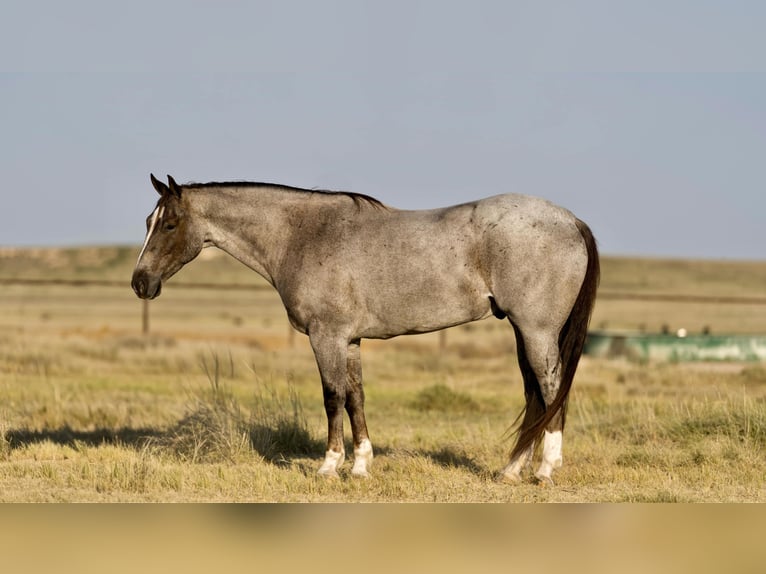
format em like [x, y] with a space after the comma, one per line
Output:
[145, 286]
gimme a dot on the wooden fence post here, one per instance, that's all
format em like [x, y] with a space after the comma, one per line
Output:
[145, 317]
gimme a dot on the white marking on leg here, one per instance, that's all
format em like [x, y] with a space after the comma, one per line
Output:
[156, 216]
[332, 462]
[512, 472]
[551, 456]
[362, 459]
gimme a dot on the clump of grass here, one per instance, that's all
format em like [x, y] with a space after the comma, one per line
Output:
[739, 421]
[214, 429]
[5, 443]
[441, 398]
[660, 496]
[635, 458]
[278, 426]
[687, 421]
[217, 429]
[753, 375]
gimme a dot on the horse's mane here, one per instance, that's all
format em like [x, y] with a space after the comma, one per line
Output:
[359, 198]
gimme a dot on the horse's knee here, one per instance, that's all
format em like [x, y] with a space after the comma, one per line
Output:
[334, 398]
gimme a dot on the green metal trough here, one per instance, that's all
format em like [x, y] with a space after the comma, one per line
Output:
[676, 347]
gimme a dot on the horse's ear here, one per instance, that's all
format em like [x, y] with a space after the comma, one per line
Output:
[161, 188]
[175, 189]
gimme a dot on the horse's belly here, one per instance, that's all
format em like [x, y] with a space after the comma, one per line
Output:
[423, 310]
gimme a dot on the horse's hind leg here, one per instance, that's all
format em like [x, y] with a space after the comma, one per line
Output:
[552, 458]
[552, 443]
[544, 358]
[512, 472]
[541, 367]
[355, 409]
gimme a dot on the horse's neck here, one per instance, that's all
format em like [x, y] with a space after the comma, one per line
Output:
[249, 225]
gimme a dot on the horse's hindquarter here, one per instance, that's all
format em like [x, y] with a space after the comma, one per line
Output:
[535, 256]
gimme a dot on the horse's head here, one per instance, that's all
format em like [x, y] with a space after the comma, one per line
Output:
[173, 238]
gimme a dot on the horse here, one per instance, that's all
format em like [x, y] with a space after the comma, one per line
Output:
[348, 267]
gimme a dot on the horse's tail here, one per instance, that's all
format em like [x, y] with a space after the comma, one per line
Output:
[571, 341]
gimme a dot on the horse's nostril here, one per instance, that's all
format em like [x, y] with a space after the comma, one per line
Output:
[145, 286]
[139, 286]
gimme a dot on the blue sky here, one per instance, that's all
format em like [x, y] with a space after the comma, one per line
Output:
[647, 119]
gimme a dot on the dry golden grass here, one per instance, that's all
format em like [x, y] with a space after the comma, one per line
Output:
[217, 403]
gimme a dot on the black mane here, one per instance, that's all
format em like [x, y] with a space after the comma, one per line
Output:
[359, 198]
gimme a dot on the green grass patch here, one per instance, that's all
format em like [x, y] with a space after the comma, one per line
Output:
[441, 398]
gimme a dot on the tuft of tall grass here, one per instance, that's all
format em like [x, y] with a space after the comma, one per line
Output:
[742, 421]
[278, 426]
[211, 432]
[214, 428]
[5, 443]
[217, 429]
[753, 375]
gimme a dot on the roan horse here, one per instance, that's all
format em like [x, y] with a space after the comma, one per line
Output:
[348, 267]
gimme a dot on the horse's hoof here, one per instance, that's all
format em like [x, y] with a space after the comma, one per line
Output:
[359, 470]
[544, 480]
[328, 474]
[509, 478]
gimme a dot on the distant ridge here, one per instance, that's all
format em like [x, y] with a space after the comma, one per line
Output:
[704, 278]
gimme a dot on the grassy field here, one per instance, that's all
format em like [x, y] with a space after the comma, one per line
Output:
[220, 403]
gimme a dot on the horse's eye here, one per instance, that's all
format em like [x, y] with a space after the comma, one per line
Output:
[170, 226]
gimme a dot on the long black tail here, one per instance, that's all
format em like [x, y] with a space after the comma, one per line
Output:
[571, 340]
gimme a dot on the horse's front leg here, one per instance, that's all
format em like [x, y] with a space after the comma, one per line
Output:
[331, 355]
[355, 408]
